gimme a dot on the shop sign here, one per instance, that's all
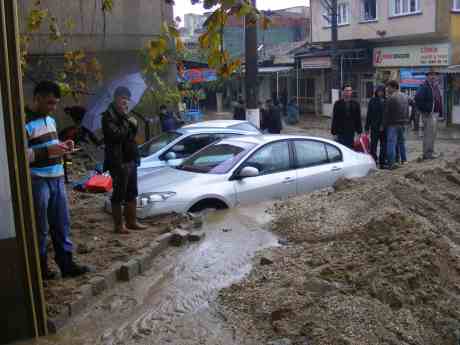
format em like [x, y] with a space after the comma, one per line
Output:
[412, 78]
[316, 62]
[419, 55]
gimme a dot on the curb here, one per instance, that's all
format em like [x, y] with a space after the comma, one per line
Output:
[106, 280]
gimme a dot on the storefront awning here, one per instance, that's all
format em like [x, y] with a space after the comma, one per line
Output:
[274, 69]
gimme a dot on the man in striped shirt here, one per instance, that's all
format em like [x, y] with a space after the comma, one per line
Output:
[45, 153]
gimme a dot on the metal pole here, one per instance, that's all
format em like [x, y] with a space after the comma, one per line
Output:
[334, 40]
[252, 112]
[341, 70]
[297, 84]
[277, 86]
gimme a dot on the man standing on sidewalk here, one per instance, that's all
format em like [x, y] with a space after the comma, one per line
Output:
[429, 101]
[395, 118]
[374, 120]
[122, 160]
[45, 154]
[346, 118]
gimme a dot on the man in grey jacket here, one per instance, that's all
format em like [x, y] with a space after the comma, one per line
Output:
[395, 118]
[429, 101]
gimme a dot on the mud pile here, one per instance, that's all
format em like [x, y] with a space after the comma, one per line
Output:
[371, 261]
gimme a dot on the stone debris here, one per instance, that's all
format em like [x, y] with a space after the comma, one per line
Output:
[375, 262]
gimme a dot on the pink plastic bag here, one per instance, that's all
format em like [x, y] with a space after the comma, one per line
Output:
[362, 143]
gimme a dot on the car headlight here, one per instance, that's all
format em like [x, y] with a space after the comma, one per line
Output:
[151, 198]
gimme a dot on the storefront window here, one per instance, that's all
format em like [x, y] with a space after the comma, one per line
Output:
[6, 207]
[456, 96]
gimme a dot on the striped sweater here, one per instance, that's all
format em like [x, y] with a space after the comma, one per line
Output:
[41, 133]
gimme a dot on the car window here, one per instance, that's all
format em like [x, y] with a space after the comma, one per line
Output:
[271, 158]
[333, 153]
[157, 143]
[192, 144]
[245, 126]
[310, 153]
[218, 158]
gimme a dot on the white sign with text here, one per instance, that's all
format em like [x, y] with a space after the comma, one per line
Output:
[409, 56]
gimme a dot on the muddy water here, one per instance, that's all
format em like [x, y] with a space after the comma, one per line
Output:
[172, 303]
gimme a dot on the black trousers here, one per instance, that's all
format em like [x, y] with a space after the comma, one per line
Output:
[124, 183]
[377, 137]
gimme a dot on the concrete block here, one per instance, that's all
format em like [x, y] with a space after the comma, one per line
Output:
[111, 275]
[86, 291]
[145, 262]
[196, 236]
[98, 285]
[78, 305]
[163, 241]
[179, 237]
[57, 322]
[129, 270]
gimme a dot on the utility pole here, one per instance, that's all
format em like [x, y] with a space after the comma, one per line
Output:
[252, 111]
[334, 39]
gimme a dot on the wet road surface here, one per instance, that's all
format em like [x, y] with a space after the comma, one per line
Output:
[172, 303]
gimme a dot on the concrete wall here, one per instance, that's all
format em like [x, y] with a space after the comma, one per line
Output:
[130, 24]
[425, 23]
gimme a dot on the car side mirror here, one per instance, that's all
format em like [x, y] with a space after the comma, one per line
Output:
[170, 155]
[248, 172]
[179, 148]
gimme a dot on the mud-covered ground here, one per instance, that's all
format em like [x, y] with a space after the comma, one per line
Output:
[371, 261]
[95, 243]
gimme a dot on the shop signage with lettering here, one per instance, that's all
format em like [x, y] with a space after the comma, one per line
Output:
[406, 56]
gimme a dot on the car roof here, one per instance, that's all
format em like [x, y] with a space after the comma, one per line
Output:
[215, 124]
[260, 139]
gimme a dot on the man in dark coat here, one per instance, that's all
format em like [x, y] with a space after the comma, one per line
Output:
[429, 101]
[346, 118]
[239, 113]
[122, 160]
[274, 123]
[374, 122]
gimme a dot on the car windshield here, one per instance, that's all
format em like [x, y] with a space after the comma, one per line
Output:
[219, 158]
[156, 144]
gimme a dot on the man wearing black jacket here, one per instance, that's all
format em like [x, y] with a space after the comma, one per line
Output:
[374, 123]
[346, 118]
[274, 123]
[122, 160]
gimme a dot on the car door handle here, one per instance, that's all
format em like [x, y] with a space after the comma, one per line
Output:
[288, 180]
[336, 168]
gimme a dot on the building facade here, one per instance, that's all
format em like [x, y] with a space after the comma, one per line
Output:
[114, 38]
[382, 40]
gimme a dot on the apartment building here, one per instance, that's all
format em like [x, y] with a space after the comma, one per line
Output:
[381, 40]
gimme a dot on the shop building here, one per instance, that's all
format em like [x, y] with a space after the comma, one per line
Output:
[382, 40]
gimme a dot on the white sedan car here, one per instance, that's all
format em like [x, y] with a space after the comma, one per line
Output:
[248, 169]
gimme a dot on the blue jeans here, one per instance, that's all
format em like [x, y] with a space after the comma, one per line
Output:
[395, 139]
[52, 215]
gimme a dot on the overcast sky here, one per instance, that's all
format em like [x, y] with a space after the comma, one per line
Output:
[185, 6]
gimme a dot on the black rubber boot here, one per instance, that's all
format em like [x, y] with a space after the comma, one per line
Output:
[71, 268]
[46, 273]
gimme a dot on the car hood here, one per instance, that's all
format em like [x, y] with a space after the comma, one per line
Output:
[167, 179]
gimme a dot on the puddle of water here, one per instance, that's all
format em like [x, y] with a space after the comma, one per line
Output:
[170, 303]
